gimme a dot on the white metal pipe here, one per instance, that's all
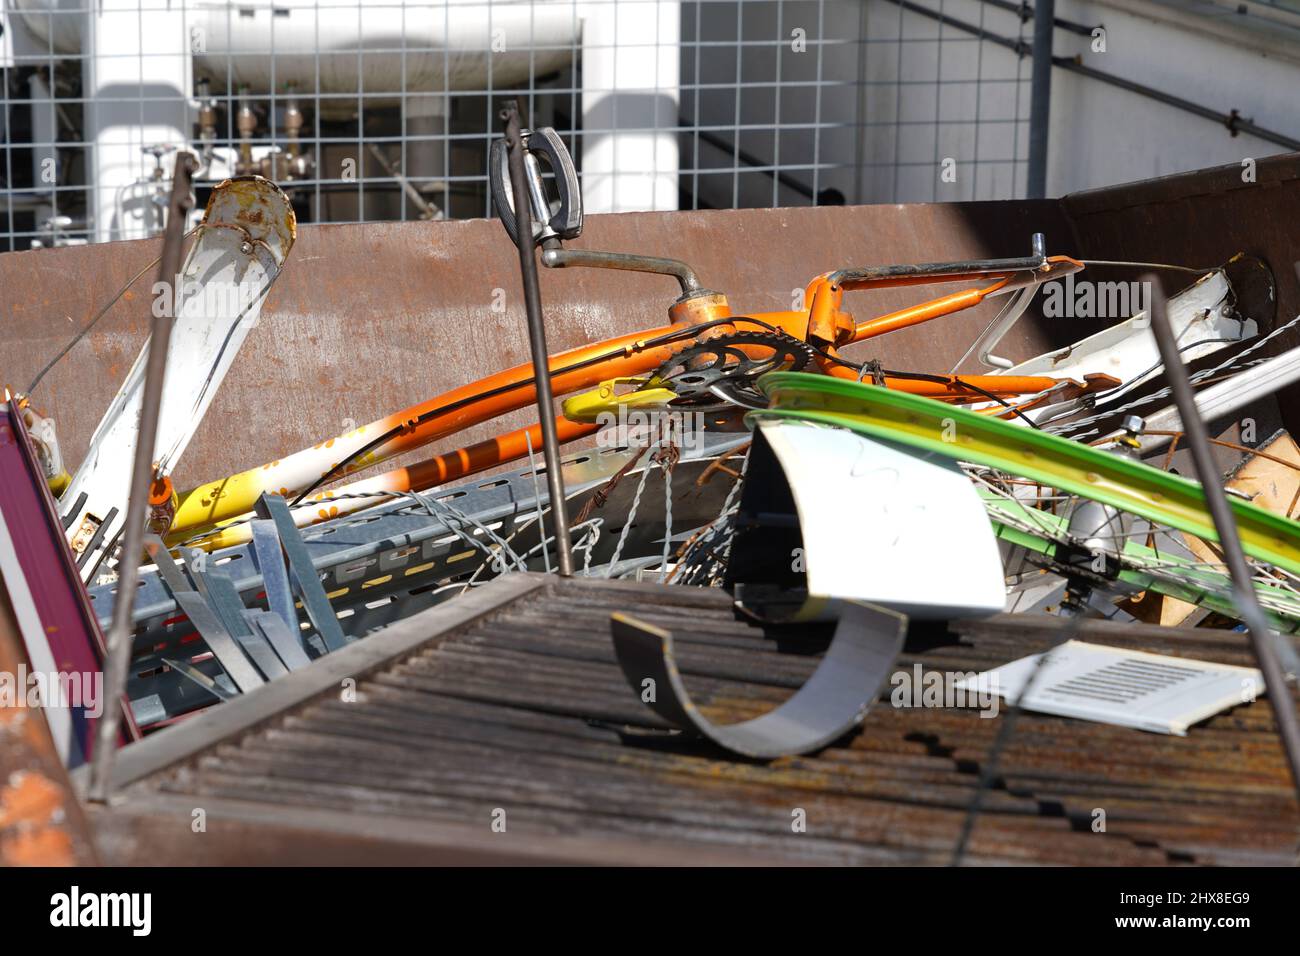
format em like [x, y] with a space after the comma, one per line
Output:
[138, 55]
[45, 169]
[630, 99]
[1227, 396]
[357, 45]
[630, 70]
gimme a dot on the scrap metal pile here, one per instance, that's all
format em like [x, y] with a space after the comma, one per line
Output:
[725, 449]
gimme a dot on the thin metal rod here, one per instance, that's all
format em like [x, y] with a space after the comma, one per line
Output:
[1261, 637]
[537, 339]
[118, 658]
[557, 258]
[1040, 103]
[1026, 12]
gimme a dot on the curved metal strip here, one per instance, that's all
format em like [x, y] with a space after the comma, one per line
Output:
[832, 702]
[1057, 462]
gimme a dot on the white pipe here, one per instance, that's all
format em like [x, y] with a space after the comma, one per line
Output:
[1227, 396]
[453, 45]
[59, 25]
[412, 45]
[137, 95]
[630, 101]
[44, 134]
[630, 70]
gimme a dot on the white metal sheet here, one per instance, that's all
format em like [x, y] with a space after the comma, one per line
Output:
[888, 525]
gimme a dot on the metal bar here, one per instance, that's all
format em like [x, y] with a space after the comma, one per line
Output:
[120, 633]
[205, 618]
[1015, 46]
[1231, 121]
[303, 572]
[172, 576]
[1261, 638]
[257, 647]
[196, 676]
[287, 644]
[219, 591]
[223, 647]
[557, 258]
[1227, 396]
[275, 577]
[848, 278]
[1026, 12]
[537, 339]
[1040, 103]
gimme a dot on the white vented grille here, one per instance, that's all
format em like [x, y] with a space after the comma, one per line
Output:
[1128, 688]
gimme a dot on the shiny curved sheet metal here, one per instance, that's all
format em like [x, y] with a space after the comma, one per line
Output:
[830, 704]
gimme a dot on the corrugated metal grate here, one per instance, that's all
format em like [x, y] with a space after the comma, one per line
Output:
[525, 710]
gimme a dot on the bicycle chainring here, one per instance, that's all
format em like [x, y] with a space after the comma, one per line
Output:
[723, 368]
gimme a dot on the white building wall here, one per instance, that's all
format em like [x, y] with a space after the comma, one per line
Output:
[1102, 135]
[901, 93]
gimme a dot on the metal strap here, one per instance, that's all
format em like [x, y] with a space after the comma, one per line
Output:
[207, 620]
[832, 702]
[219, 641]
[275, 577]
[222, 597]
[257, 647]
[166, 565]
[303, 572]
[286, 643]
[192, 673]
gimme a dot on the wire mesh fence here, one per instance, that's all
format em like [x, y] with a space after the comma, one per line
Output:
[385, 110]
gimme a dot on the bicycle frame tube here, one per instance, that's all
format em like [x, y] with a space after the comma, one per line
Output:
[490, 397]
[450, 412]
[420, 476]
